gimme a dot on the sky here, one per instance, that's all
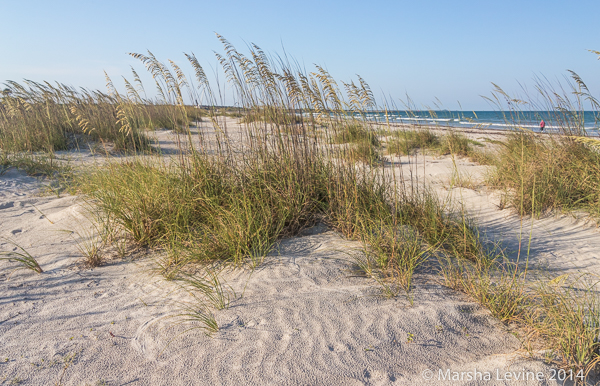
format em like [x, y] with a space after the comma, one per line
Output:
[446, 51]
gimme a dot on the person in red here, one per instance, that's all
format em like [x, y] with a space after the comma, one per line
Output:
[542, 125]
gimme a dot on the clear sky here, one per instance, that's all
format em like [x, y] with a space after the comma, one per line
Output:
[450, 50]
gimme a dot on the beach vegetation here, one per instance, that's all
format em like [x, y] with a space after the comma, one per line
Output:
[37, 165]
[539, 174]
[554, 171]
[45, 117]
[357, 133]
[271, 115]
[404, 142]
[21, 256]
[226, 205]
[456, 144]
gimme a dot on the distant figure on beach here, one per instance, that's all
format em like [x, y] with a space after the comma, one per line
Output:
[542, 125]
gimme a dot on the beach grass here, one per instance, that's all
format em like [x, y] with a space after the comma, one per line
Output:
[233, 204]
[549, 173]
[45, 117]
[38, 165]
[557, 316]
[404, 142]
[21, 256]
[355, 133]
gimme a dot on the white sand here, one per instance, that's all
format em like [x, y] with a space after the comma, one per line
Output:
[304, 318]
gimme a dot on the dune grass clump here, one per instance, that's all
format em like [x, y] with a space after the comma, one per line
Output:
[225, 205]
[355, 133]
[46, 117]
[172, 117]
[34, 164]
[540, 174]
[404, 142]
[23, 257]
[391, 254]
[206, 210]
[567, 316]
[559, 315]
[455, 143]
[268, 114]
[554, 171]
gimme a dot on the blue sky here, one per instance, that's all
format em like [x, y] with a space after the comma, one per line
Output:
[450, 50]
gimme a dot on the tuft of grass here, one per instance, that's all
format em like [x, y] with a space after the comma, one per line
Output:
[39, 165]
[200, 315]
[205, 211]
[23, 257]
[355, 133]
[90, 246]
[406, 141]
[456, 144]
[560, 315]
[462, 180]
[539, 174]
[497, 285]
[391, 254]
[211, 287]
[365, 152]
[482, 157]
[442, 226]
[567, 316]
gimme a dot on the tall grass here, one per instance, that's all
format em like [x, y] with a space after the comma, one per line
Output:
[50, 117]
[46, 117]
[544, 173]
[404, 142]
[560, 315]
[271, 115]
[559, 171]
[355, 133]
[541, 173]
[229, 204]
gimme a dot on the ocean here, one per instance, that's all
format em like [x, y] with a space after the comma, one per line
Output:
[530, 120]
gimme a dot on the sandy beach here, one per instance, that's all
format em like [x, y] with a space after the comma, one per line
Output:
[304, 316]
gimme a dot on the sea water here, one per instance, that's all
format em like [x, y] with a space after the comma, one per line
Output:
[527, 120]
